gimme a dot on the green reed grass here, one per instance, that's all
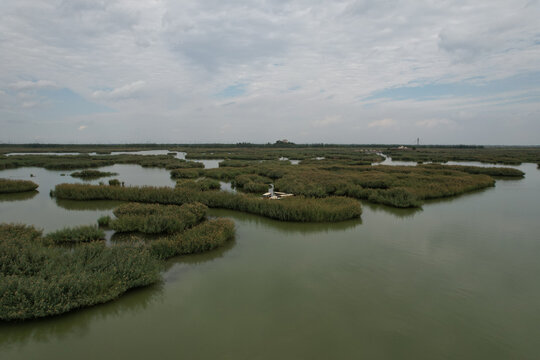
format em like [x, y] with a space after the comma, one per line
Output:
[290, 209]
[85, 233]
[38, 280]
[15, 186]
[156, 218]
[92, 174]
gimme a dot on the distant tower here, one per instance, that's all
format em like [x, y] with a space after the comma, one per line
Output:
[417, 141]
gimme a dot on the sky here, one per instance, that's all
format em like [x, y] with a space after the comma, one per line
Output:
[310, 71]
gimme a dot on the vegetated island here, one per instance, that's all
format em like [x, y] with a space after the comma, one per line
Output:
[73, 162]
[16, 186]
[325, 191]
[92, 174]
[40, 278]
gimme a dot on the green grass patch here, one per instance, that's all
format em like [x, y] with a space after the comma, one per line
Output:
[104, 221]
[290, 209]
[38, 280]
[156, 218]
[198, 185]
[72, 162]
[92, 174]
[15, 186]
[79, 234]
[203, 237]
[185, 173]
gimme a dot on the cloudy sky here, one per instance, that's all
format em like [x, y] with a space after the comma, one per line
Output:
[342, 71]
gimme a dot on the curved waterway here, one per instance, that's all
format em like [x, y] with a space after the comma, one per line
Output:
[457, 279]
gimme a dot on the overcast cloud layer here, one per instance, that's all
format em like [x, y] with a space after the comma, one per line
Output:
[83, 71]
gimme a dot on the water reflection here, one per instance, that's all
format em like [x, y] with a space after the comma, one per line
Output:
[19, 196]
[178, 266]
[397, 212]
[87, 204]
[18, 334]
[286, 227]
[454, 198]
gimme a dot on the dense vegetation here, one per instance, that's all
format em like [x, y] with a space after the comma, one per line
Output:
[290, 209]
[16, 186]
[69, 162]
[38, 280]
[203, 237]
[92, 174]
[233, 153]
[495, 155]
[75, 235]
[157, 219]
[491, 171]
[398, 186]
[202, 184]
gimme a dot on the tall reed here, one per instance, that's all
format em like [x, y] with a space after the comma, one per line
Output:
[15, 186]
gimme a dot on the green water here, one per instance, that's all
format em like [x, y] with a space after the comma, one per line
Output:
[458, 279]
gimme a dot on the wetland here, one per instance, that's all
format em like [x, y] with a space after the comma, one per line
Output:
[450, 274]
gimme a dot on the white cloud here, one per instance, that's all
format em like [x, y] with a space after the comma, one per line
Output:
[383, 123]
[123, 92]
[30, 85]
[327, 121]
[173, 57]
[431, 123]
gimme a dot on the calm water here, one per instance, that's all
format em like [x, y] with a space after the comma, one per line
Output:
[455, 280]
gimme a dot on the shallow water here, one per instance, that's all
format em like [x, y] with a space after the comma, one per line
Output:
[456, 279]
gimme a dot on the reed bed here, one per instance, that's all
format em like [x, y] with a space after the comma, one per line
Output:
[404, 186]
[252, 183]
[198, 185]
[79, 234]
[203, 237]
[185, 173]
[72, 162]
[38, 280]
[491, 171]
[104, 221]
[16, 186]
[92, 174]
[156, 218]
[494, 155]
[302, 209]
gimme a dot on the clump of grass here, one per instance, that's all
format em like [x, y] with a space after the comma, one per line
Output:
[157, 219]
[38, 280]
[252, 183]
[79, 234]
[185, 173]
[236, 163]
[104, 221]
[114, 182]
[15, 186]
[198, 185]
[255, 187]
[203, 237]
[92, 174]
